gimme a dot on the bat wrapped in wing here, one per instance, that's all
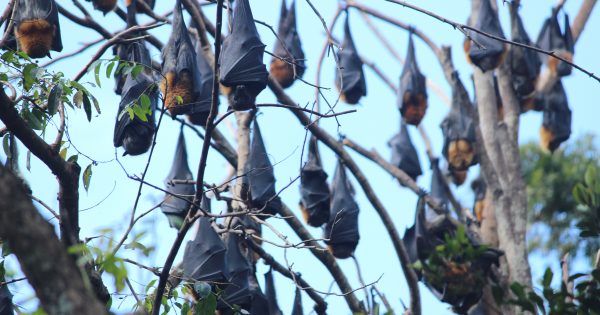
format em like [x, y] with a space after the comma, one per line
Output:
[404, 154]
[36, 27]
[242, 67]
[181, 83]
[198, 114]
[6, 304]
[525, 63]
[341, 231]
[288, 47]
[479, 188]
[314, 191]
[438, 191]
[412, 95]
[176, 208]
[351, 81]
[260, 304]
[135, 123]
[261, 177]
[415, 234]
[556, 122]
[458, 129]
[204, 257]
[490, 52]
[238, 289]
[104, 6]
[551, 38]
[121, 50]
[297, 306]
[271, 294]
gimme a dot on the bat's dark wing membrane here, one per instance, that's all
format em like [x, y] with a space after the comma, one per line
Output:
[525, 63]
[438, 192]
[412, 95]
[172, 206]
[238, 290]
[261, 177]
[414, 234]
[204, 257]
[271, 294]
[556, 122]
[39, 20]
[458, 129]
[260, 304]
[490, 54]
[314, 191]
[404, 154]
[352, 84]
[122, 49]
[342, 228]
[297, 307]
[242, 54]
[6, 304]
[135, 134]
[201, 107]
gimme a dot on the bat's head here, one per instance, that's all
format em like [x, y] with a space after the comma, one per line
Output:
[414, 106]
[341, 250]
[243, 97]
[137, 139]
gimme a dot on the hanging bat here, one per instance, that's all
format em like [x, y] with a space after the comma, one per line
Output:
[525, 63]
[204, 257]
[479, 188]
[341, 231]
[198, 114]
[414, 235]
[121, 50]
[289, 47]
[297, 307]
[260, 304]
[551, 38]
[314, 191]
[351, 81]
[175, 208]
[404, 154]
[271, 294]
[242, 67]
[105, 6]
[181, 83]
[556, 122]
[6, 304]
[36, 27]
[412, 96]
[458, 129]
[490, 54]
[238, 290]
[438, 191]
[260, 176]
[133, 133]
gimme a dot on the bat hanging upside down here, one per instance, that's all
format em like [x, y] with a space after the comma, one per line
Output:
[37, 30]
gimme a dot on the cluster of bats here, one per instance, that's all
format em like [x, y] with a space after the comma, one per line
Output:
[186, 84]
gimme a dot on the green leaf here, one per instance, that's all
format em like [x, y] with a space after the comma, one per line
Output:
[135, 71]
[579, 193]
[590, 176]
[547, 279]
[97, 64]
[518, 290]
[29, 76]
[96, 104]
[87, 107]
[73, 158]
[179, 99]
[87, 176]
[109, 69]
[78, 98]
[5, 249]
[63, 153]
[32, 120]
[54, 98]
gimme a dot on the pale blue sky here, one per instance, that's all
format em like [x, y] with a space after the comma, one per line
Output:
[373, 125]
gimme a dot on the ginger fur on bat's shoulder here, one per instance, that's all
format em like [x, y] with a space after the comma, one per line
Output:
[460, 154]
[489, 62]
[107, 5]
[553, 63]
[547, 139]
[35, 37]
[305, 212]
[177, 85]
[283, 72]
[413, 108]
[341, 251]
